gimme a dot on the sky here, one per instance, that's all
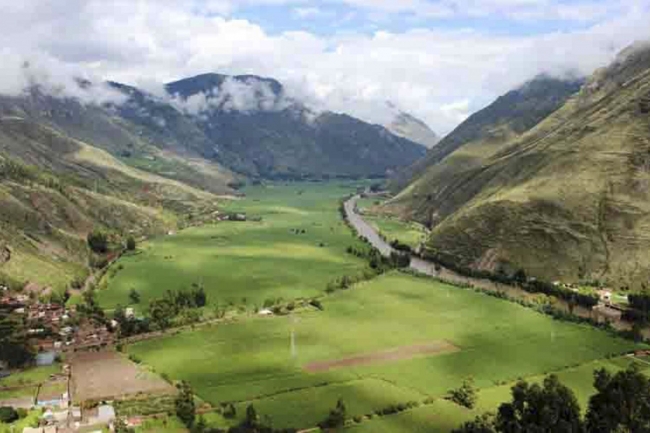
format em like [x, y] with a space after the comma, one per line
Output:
[439, 60]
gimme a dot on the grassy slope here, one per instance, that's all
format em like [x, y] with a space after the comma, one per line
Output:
[73, 187]
[567, 199]
[499, 342]
[252, 260]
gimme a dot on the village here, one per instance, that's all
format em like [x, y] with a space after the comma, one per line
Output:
[53, 389]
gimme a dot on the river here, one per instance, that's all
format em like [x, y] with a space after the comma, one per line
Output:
[422, 266]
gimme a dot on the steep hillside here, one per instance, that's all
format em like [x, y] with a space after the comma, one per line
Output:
[253, 128]
[489, 129]
[54, 190]
[172, 155]
[568, 199]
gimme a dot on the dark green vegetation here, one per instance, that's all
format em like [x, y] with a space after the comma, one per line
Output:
[492, 340]
[14, 350]
[292, 246]
[621, 403]
[564, 199]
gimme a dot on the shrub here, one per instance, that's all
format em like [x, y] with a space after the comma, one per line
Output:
[98, 241]
[8, 414]
[465, 395]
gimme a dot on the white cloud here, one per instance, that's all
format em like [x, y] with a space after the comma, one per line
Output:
[438, 75]
[233, 95]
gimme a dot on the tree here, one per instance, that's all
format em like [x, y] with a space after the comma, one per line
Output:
[201, 426]
[8, 414]
[621, 404]
[130, 243]
[551, 408]
[465, 395]
[161, 312]
[252, 420]
[121, 427]
[184, 403]
[520, 276]
[482, 424]
[336, 417]
[134, 296]
[15, 349]
[98, 241]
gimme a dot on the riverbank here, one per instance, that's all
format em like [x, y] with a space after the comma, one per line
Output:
[601, 313]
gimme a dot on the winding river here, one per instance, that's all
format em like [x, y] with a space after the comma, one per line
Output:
[366, 230]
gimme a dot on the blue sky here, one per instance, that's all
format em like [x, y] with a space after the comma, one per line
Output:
[328, 18]
[439, 60]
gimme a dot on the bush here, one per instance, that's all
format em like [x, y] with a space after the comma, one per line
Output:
[98, 241]
[465, 395]
[130, 243]
[8, 415]
[316, 303]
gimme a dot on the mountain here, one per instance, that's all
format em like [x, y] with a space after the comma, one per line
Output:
[138, 164]
[252, 127]
[566, 199]
[407, 126]
[488, 129]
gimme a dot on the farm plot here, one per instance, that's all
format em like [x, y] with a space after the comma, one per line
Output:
[494, 341]
[108, 375]
[294, 251]
[21, 388]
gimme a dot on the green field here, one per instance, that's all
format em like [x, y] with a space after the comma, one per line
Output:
[498, 343]
[25, 383]
[391, 227]
[248, 261]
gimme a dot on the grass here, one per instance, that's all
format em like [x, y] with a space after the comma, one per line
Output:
[164, 425]
[248, 262]
[499, 341]
[32, 376]
[31, 420]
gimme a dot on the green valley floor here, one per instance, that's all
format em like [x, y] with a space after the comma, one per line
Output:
[470, 335]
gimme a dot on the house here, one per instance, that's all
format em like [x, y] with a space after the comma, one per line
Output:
[105, 414]
[75, 412]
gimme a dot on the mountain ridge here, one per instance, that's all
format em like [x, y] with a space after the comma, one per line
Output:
[567, 199]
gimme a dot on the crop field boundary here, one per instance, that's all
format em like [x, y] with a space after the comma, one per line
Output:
[390, 355]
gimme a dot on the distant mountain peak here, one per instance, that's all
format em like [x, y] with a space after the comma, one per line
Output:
[407, 126]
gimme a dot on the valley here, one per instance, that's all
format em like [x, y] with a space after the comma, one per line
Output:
[250, 358]
[420, 217]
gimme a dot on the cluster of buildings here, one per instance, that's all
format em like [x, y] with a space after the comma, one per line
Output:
[53, 327]
[73, 420]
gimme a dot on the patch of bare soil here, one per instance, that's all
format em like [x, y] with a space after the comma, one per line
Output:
[397, 354]
[108, 375]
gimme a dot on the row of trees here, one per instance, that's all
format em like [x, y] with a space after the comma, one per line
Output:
[162, 312]
[621, 404]
[518, 278]
[98, 241]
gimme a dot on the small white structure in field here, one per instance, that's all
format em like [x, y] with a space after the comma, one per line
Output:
[105, 414]
[129, 312]
[265, 312]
